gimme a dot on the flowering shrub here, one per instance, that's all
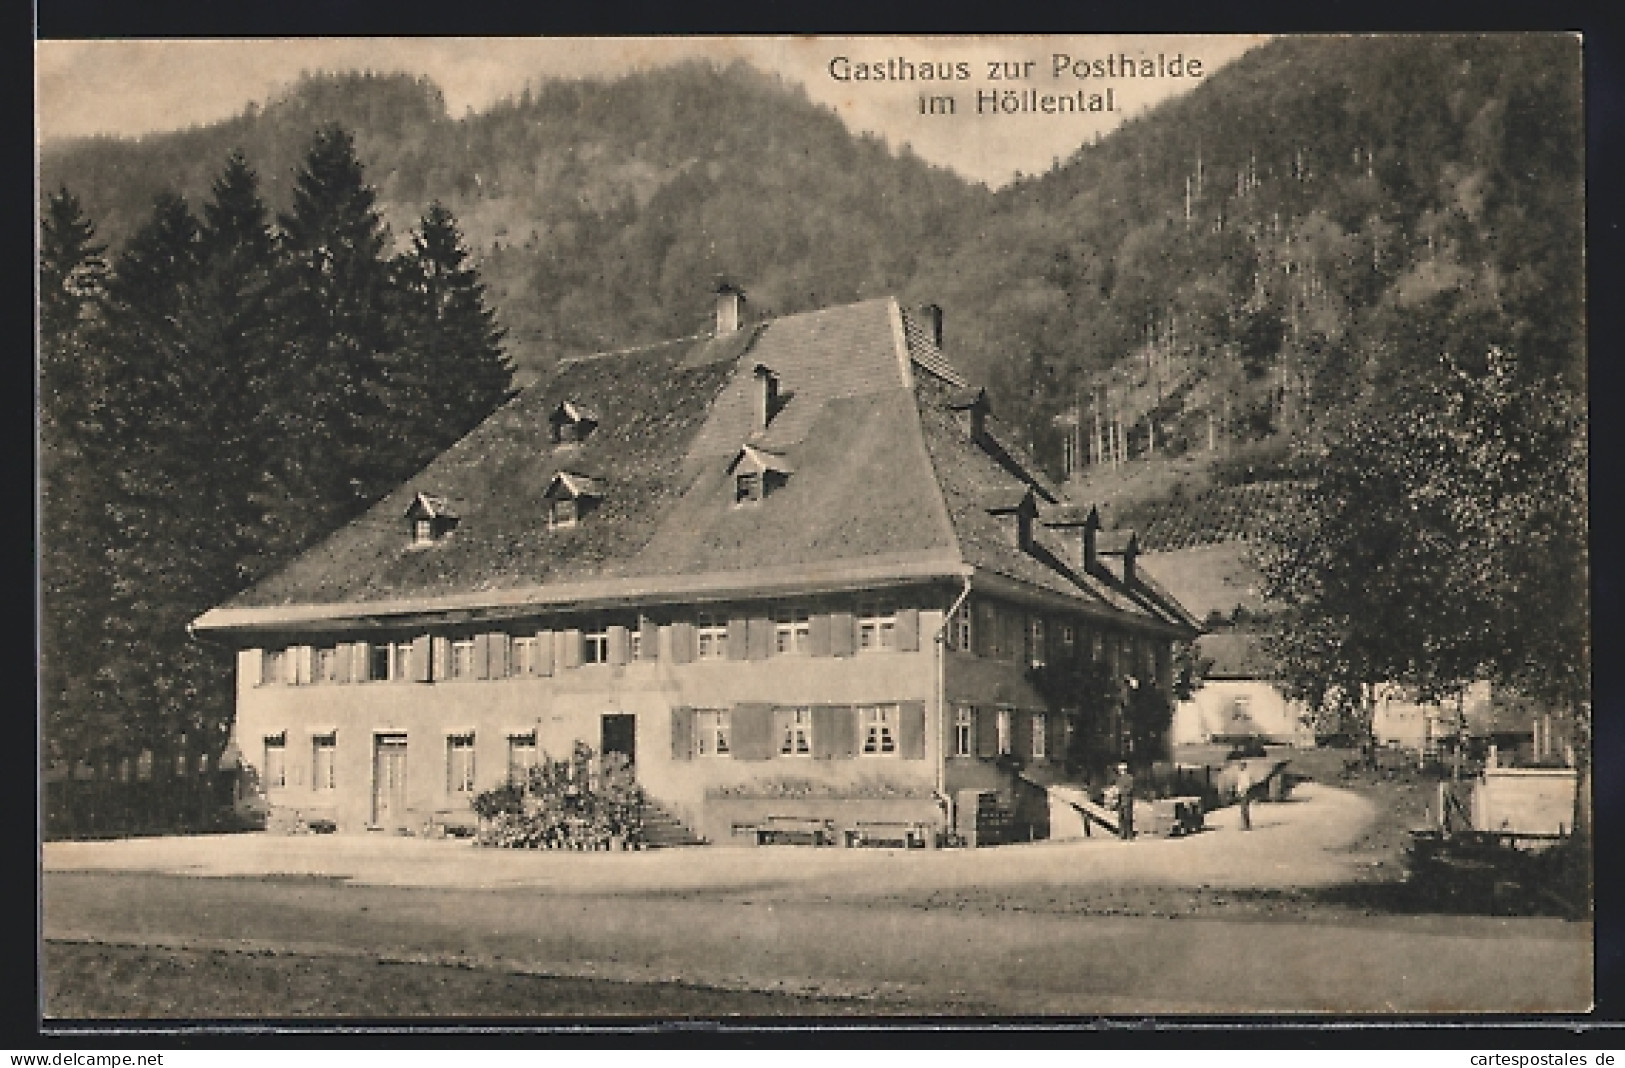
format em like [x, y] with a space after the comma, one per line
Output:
[581, 802]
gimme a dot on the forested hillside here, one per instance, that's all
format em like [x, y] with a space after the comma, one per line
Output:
[602, 212]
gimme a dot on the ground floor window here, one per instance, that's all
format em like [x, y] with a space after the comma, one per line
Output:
[521, 755]
[797, 737]
[964, 727]
[711, 728]
[276, 763]
[879, 729]
[460, 763]
[323, 748]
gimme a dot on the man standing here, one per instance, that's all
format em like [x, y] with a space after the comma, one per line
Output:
[1125, 802]
[1244, 793]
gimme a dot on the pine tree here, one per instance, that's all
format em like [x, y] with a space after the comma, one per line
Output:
[326, 409]
[451, 371]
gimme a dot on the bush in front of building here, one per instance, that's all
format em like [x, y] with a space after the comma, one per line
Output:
[580, 802]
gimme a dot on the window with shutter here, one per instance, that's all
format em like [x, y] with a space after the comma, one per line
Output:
[964, 731]
[792, 631]
[711, 732]
[877, 627]
[911, 730]
[878, 724]
[595, 646]
[738, 639]
[710, 636]
[908, 630]
[462, 659]
[795, 732]
[618, 645]
[841, 634]
[522, 657]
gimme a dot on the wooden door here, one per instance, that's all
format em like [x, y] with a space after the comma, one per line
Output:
[619, 735]
[389, 780]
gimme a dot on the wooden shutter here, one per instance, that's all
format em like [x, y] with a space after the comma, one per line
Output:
[987, 731]
[908, 630]
[620, 646]
[842, 635]
[682, 642]
[759, 637]
[570, 655]
[752, 726]
[682, 733]
[267, 664]
[911, 730]
[542, 662]
[1021, 734]
[824, 731]
[738, 643]
[442, 658]
[421, 647]
[361, 661]
[306, 667]
[482, 656]
[818, 635]
[844, 744]
[499, 655]
[648, 639]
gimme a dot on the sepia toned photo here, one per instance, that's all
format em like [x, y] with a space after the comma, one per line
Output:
[757, 529]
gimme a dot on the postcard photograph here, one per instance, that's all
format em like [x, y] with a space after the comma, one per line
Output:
[544, 530]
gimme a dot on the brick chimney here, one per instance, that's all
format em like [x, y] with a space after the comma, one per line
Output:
[730, 303]
[931, 319]
[767, 395]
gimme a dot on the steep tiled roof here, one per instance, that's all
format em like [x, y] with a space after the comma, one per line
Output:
[880, 479]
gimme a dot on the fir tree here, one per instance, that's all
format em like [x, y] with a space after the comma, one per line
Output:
[71, 278]
[326, 408]
[452, 372]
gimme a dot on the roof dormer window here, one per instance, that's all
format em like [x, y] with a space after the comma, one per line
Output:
[570, 497]
[571, 423]
[757, 473]
[431, 519]
[1015, 509]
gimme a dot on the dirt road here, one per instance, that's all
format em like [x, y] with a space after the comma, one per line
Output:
[1004, 931]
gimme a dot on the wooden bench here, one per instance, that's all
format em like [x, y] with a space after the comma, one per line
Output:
[895, 834]
[791, 830]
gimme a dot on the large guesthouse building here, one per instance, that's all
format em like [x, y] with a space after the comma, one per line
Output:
[790, 567]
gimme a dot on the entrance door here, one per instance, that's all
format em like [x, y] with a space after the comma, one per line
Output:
[620, 735]
[389, 780]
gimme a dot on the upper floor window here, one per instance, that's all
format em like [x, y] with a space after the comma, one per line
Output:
[1040, 737]
[595, 646]
[792, 631]
[570, 423]
[524, 656]
[1069, 638]
[879, 730]
[877, 626]
[710, 636]
[569, 498]
[797, 737]
[462, 658]
[431, 518]
[1035, 641]
[757, 473]
[959, 628]
[327, 665]
[964, 728]
[711, 732]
